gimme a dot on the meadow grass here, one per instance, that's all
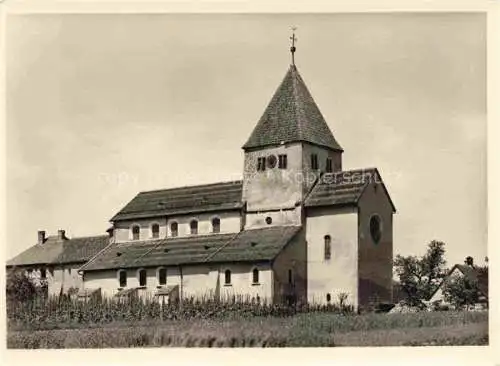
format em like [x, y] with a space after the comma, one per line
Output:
[301, 330]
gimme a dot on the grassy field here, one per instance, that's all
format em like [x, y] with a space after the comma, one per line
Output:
[300, 330]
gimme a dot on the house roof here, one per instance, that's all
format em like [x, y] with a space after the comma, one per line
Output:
[249, 245]
[292, 115]
[472, 274]
[191, 199]
[61, 251]
[343, 188]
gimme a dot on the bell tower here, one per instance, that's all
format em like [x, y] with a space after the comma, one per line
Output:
[288, 149]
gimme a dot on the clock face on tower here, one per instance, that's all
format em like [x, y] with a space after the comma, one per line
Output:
[271, 161]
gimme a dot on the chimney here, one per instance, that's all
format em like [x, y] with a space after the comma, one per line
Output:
[469, 261]
[61, 234]
[41, 237]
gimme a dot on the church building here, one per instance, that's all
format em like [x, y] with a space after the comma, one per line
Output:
[297, 226]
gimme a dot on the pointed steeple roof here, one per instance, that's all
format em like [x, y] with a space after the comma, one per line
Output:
[292, 116]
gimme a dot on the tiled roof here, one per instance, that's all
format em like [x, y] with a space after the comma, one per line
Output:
[61, 251]
[292, 115]
[474, 274]
[249, 245]
[201, 198]
[343, 188]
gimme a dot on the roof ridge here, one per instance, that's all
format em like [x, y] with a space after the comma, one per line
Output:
[194, 186]
[297, 108]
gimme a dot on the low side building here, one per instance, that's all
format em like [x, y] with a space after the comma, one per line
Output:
[55, 260]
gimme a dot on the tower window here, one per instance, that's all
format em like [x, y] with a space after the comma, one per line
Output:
[162, 276]
[314, 161]
[194, 227]
[227, 277]
[376, 228]
[261, 164]
[216, 225]
[155, 231]
[142, 277]
[174, 229]
[329, 165]
[328, 248]
[255, 276]
[282, 161]
[136, 230]
[122, 278]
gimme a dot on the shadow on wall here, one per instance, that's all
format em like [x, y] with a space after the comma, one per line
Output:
[290, 292]
[371, 293]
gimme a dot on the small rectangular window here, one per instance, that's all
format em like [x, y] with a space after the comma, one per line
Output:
[282, 161]
[123, 278]
[328, 247]
[174, 229]
[155, 231]
[314, 161]
[261, 164]
[43, 274]
[136, 230]
[142, 278]
[162, 276]
[329, 167]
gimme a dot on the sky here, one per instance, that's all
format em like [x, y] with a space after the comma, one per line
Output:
[100, 107]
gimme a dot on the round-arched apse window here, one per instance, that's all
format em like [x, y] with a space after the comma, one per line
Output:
[269, 220]
[271, 161]
[376, 228]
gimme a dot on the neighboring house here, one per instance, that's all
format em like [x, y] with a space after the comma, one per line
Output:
[56, 260]
[296, 227]
[472, 273]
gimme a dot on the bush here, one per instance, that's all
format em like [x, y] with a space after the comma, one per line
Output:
[20, 287]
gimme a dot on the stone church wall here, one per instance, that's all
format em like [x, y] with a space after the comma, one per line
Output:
[293, 257]
[375, 259]
[339, 274]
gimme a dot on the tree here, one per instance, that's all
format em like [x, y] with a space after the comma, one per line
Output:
[19, 286]
[419, 277]
[460, 290]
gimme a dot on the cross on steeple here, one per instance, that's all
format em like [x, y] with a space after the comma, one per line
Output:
[292, 48]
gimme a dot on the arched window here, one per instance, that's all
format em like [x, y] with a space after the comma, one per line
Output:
[194, 227]
[216, 225]
[162, 276]
[376, 228]
[174, 229]
[142, 277]
[328, 247]
[290, 276]
[255, 276]
[328, 298]
[155, 231]
[227, 277]
[122, 278]
[136, 230]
